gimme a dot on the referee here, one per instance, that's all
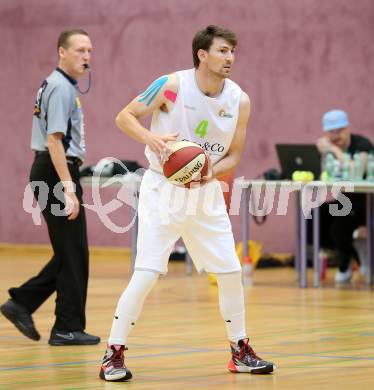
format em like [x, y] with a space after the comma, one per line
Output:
[58, 143]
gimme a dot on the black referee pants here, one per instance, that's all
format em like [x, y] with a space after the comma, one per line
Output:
[336, 231]
[67, 271]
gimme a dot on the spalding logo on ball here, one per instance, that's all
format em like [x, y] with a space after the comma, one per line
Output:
[187, 164]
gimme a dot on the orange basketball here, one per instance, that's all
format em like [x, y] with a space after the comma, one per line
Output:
[187, 164]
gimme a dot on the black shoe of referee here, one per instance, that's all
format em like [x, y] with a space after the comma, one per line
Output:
[19, 316]
[61, 337]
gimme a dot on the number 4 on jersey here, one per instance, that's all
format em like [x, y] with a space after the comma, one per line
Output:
[202, 128]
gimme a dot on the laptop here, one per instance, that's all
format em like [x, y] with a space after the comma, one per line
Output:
[299, 157]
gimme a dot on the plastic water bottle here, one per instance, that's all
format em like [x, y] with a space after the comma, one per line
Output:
[323, 265]
[329, 166]
[337, 170]
[346, 167]
[247, 271]
[370, 167]
[357, 167]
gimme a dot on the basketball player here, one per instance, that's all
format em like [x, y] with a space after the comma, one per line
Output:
[204, 106]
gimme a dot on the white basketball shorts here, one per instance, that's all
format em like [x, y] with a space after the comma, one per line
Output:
[167, 212]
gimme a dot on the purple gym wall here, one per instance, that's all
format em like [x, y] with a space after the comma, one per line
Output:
[296, 59]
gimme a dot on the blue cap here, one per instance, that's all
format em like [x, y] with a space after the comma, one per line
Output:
[335, 119]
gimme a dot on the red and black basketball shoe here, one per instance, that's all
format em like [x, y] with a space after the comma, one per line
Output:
[244, 359]
[113, 365]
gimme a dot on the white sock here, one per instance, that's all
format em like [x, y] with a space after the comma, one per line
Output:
[130, 305]
[231, 303]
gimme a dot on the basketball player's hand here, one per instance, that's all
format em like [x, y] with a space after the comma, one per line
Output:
[209, 174]
[158, 144]
[71, 205]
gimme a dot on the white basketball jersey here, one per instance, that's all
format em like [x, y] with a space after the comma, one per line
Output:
[207, 121]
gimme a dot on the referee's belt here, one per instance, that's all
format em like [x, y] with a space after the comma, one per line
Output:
[70, 159]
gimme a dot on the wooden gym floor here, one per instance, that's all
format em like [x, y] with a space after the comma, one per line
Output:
[318, 338]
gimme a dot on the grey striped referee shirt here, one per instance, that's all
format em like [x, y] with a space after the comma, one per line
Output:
[58, 110]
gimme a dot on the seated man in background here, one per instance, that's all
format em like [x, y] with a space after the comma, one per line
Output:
[338, 140]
